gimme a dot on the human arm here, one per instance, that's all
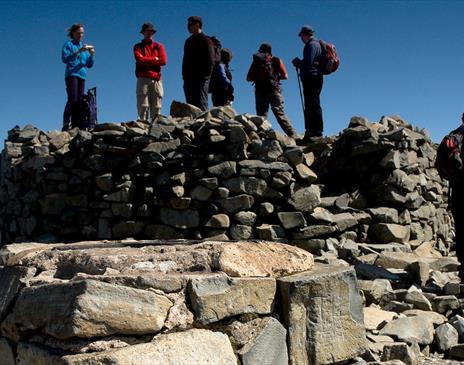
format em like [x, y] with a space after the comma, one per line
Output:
[150, 60]
[251, 74]
[283, 75]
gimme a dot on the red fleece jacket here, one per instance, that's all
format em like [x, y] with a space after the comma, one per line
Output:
[149, 57]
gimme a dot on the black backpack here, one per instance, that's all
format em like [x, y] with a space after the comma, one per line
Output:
[448, 162]
[265, 71]
[84, 113]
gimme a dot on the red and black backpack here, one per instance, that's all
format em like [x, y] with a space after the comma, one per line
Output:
[329, 61]
[449, 161]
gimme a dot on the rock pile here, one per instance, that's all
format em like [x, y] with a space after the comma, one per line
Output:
[219, 175]
[224, 176]
[148, 302]
[367, 201]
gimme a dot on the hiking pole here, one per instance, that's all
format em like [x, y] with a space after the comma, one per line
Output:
[299, 87]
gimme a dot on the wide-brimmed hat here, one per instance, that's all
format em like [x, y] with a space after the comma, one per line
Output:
[306, 29]
[148, 26]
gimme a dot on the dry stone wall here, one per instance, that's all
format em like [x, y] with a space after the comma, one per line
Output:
[188, 190]
[173, 302]
[224, 176]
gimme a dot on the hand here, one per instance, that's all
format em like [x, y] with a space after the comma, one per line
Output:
[296, 61]
[90, 48]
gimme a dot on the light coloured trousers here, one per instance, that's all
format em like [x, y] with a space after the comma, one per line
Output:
[149, 98]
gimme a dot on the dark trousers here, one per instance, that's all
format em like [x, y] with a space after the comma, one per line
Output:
[75, 87]
[219, 98]
[312, 87]
[274, 98]
[456, 202]
[196, 92]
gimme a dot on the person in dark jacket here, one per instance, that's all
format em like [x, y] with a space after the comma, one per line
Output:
[222, 91]
[150, 56]
[266, 72]
[456, 205]
[197, 64]
[78, 57]
[312, 80]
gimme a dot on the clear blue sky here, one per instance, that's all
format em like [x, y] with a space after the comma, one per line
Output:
[398, 57]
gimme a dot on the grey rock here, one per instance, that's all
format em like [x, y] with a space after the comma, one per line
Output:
[246, 218]
[224, 169]
[218, 221]
[323, 312]
[127, 229]
[180, 218]
[410, 329]
[402, 352]
[237, 203]
[201, 193]
[291, 220]
[241, 232]
[268, 347]
[182, 110]
[87, 309]
[270, 232]
[457, 352]
[416, 298]
[446, 337]
[265, 209]
[384, 215]
[445, 303]
[7, 356]
[195, 346]
[306, 199]
[214, 298]
[387, 232]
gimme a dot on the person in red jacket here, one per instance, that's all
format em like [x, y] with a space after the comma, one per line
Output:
[150, 56]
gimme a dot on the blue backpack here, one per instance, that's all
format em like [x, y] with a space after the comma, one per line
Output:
[84, 114]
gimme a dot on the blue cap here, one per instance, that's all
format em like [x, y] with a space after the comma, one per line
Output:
[306, 29]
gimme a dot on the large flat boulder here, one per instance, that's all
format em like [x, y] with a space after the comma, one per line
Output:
[87, 309]
[324, 314]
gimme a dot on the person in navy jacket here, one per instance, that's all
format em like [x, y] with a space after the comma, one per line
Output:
[312, 79]
[78, 57]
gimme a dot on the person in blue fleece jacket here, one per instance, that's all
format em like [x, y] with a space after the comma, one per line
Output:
[78, 57]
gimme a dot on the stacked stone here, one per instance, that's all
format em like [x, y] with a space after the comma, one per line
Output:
[147, 302]
[220, 175]
[380, 191]
[193, 175]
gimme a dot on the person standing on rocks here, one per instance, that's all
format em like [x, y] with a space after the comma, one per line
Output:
[450, 166]
[78, 57]
[312, 79]
[197, 64]
[266, 72]
[222, 91]
[150, 56]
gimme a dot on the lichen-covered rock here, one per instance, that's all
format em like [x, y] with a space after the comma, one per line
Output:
[86, 309]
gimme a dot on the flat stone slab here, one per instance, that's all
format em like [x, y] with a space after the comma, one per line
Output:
[86, 309]
[215, 298]
[238, 259]
[410, 329]
[324, 314]
[195, 346]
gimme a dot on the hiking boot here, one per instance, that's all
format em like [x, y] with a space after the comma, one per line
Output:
[308, 140]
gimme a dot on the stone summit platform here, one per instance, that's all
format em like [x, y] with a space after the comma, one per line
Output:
[175, 302]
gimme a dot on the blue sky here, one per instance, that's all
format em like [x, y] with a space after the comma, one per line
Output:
[398, 57]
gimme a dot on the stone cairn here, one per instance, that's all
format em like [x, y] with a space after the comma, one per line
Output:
[188, 207]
